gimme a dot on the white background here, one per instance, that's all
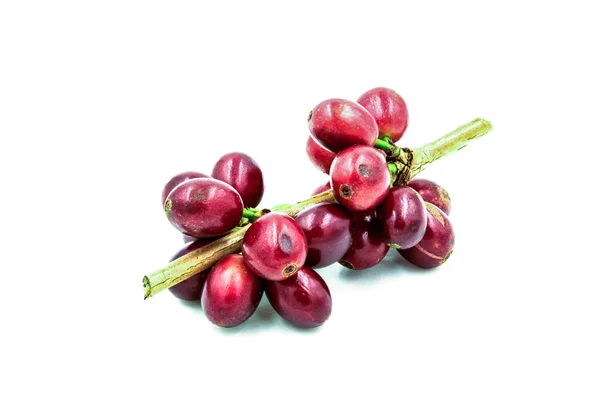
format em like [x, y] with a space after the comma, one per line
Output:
[102, 102]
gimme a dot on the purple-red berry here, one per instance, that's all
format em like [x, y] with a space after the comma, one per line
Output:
[328, 231]
[337, 124]
[243, 173]
[176, 180]
[437, 244]
[274, 247]
[360, 178]
[319, 155]
[432, 193]
[303, 300]
[389, 111]
[404, 217]
[368, 247]
[204, 207]
[231, 292]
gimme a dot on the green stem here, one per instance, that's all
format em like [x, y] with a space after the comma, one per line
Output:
[448, 144]
[251, 213]
[393, 169]
[389, 148]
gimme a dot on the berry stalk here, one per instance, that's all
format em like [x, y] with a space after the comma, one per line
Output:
[202, 259]
[408, 163]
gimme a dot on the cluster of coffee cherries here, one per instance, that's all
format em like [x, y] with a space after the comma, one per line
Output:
[279, 253]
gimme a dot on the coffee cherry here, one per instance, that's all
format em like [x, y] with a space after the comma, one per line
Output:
[204, 207]
[432, 193]
[319, 155]
[437, 244]
[404, 217]
[231, 292]
[274, 247]
[176, 180]
[191, 288]
[303, 300]
[368, 247]
[243, 174]
[360, 178]
[328, 231]
[389, 111]
[337, 124]
[323, 188]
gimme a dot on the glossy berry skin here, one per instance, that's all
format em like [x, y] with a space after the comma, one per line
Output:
[432, 193]
[360, 178]
[368, 247]
[323, 188]
[328, 231]
[437, 244]
[176, 180]
[204, 207]
[303, 300]
[243, 174]
[337, 124]
[404, 217]
[191, 288]
[231, 292]
[319, 155]
[274, 247]
[389, 111]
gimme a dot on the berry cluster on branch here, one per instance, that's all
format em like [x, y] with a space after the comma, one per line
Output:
[371, 203]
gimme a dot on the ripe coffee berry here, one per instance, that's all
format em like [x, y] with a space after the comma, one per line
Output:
[176, 180]
[204, 207]
[231, 292]
[437, 244]
[275, 247]
[360, 178]
[404, 217]
[432, 193]
[368, 247]
[388, 109]
[319, 155]
[243, 174]
[303, 300]
[337, 124]
[328, 231]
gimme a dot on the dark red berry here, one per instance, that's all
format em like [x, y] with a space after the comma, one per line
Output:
[274, 247]
[231, 292]
[368, 247]
[389, 110]
[437, 244]
[360, 178]
[323, 188]
[319, 155]
[204, 207]
[176, 180]
[432, 193]
[191, 288]
[303, 300]
[337, 124]
[404, 217]
[328, 231]
[243, 174]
